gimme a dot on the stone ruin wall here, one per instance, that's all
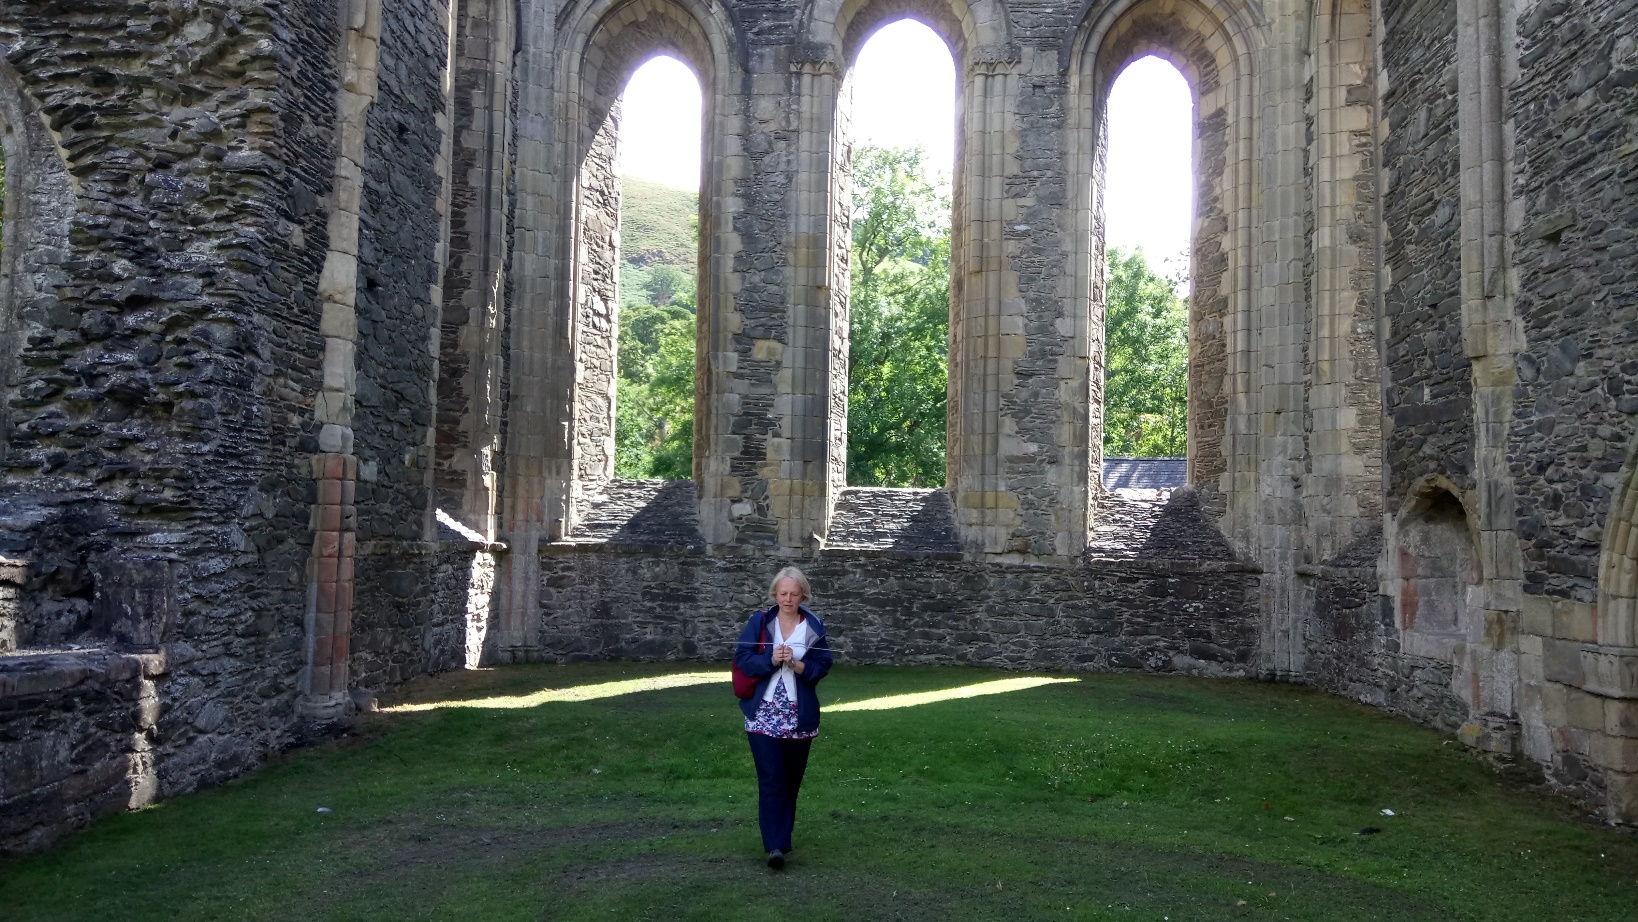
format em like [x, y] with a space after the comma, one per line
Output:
[161, 407]
[292, 322]
[1158, 589]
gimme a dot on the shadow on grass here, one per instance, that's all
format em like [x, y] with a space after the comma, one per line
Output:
[639, 870]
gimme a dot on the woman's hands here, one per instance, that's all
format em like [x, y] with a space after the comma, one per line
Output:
[782, 656]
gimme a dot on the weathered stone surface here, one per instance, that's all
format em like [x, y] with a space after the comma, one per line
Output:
[912, 523]
[642, 513]
[1156, 525]
[1102, 615]
[1145, 473]
[77, 735]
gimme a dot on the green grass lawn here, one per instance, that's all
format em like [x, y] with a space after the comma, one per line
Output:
[1107, 797]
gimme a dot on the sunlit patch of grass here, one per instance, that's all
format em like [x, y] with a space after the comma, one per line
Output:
[1109, 797]
[572, 693]
[915, 699]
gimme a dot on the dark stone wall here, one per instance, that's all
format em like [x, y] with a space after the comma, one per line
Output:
[1352, 639]
[163, 385]
[77, 741]
[1427, 400]
[398, 241]
[602, 603]
[162, 377]
[1576, 183]
[412, 613]
[1160, 588]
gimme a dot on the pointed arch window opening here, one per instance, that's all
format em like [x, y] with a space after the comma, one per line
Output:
[898, 119]
[657, 169]
[1148, 219]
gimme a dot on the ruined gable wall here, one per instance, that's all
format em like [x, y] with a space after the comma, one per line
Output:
[165, 394]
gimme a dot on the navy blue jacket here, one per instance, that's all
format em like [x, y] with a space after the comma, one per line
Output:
[754, 657]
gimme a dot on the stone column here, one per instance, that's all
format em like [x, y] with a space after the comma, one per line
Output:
[595, 288]
[986, 321]
[1491, 339]
[725, 226]
[768, 379]
[1342, 493]
[325, 680]
[1283, 307]
[435, 291]
[809, 449]
[538, 469]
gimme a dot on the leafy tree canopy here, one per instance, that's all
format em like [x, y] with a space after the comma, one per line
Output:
[899, 321]
[654, 391]
[1146, 356]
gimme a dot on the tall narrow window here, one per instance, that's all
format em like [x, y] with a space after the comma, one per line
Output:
[658, 272]
[1148, 208]
[903, 119]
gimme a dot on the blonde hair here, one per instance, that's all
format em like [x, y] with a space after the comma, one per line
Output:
[791, 573]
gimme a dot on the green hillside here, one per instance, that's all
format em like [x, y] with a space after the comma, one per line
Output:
[659, 225]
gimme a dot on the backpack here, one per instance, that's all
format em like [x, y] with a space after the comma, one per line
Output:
[744, 685]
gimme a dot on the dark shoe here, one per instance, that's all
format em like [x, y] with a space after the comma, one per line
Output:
[776, 859]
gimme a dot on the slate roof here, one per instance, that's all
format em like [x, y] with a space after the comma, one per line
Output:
[1145, 473]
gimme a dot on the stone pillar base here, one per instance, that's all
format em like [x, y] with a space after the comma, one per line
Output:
[330, 708]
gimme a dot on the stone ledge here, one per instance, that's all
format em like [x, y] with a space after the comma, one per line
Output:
[42, 672]
[1324, 571]
[444, 545]
[640, 514]
[1151, 527]
[1172, 566]
[577, 546]
[890, 554]
[1611, 672]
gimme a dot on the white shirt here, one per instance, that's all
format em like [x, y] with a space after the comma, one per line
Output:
[798, 642]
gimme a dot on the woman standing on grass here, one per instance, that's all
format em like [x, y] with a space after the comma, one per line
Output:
[784, 647]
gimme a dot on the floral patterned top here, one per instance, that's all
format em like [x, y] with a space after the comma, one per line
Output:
[776, 717]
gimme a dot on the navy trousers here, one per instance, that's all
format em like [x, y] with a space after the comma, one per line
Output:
[779, 768]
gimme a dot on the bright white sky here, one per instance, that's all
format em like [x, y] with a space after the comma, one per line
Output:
[904, 95]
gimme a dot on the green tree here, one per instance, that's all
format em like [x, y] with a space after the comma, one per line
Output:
[654, 387]
[664, 283]
[1146, 355]
[899, 321]
[654, 397]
